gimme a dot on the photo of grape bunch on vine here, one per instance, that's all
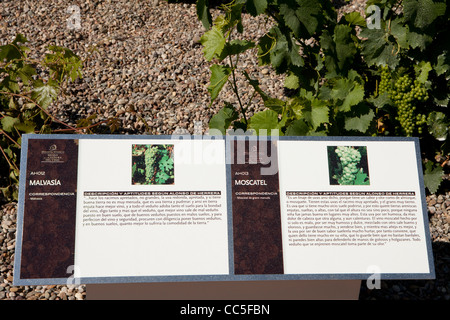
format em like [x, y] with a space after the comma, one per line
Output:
[152, 164]
[348, 165]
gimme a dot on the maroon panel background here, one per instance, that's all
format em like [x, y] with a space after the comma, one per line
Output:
[48, 243]
[256, 222]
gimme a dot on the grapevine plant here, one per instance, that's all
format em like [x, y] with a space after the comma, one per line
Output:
[350, 76]
[27, 88]
[153, 164]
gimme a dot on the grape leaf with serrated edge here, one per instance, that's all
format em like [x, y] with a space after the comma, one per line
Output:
[432, 176]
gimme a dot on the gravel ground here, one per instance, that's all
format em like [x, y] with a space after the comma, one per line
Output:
[144, 65]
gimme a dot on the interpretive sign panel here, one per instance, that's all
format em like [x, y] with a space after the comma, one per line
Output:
[111, 209]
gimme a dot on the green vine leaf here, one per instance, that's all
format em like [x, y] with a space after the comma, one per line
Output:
[345, 46]
[400, 32]
[377, 49]
[419, 40]
[256, 7]
[381, 100]
[63, 62]
[255, 84]
[432, 176]
[44, 94]
[20, 38]
[265, 45]
[301, 17]
[281, 51]
[443, 65]
[13, 50]
[8, 123]
[361, 122]
[316, 112]
[355, 96]
[203, 13]
[292, 82]
[422, 13]
[161, 177]
[279, 54]
[10, 84]
[223, 119]
[355, 18]
[438, 125]
[339, 50]
[348, 92]
[26, 126]
[213, 43]
[26, 72]
[422, 71]
[267, 119]
[296, 105]
[235, 47]
[361, 179]
[274, 104]
[219, 76]
[297, 128]
[166, 163]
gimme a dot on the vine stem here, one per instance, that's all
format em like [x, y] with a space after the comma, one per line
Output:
[69, 128]
[14, 141]
[234, 87]
[45, 111]
[82, 128]
[250, 100]
[234, 84]
[11, 165]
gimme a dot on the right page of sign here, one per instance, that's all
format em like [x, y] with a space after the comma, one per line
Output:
[351, 207]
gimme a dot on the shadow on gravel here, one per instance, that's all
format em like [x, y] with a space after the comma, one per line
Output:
[215, 3]
[212, 3]
[437, 289]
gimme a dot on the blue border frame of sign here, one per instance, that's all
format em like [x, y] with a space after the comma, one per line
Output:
[230, 277]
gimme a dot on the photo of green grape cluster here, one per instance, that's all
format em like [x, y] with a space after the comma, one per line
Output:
[152, 164]
[348, 165]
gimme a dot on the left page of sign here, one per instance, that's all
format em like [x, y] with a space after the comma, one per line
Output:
[151, 208]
